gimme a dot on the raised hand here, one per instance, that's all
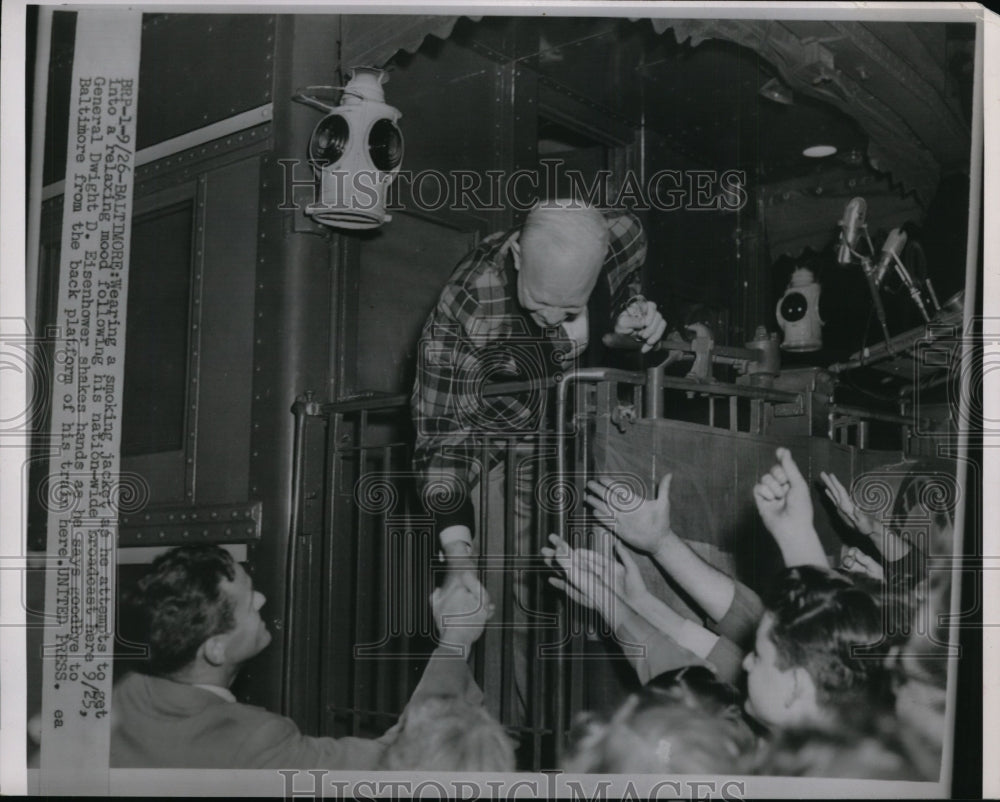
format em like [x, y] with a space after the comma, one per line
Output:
[584, 576]
[595, 579]
[628, 578]
[782, 498]
[857, 562]
[846, 508]
[644, 528]
[785, 507]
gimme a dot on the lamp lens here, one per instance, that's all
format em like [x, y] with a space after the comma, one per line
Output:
[385, 145]
[329, 140]
[794, 307]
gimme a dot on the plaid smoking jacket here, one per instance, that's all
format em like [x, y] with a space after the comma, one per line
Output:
[478, 334]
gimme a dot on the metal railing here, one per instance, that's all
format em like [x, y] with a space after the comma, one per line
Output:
[378, 550]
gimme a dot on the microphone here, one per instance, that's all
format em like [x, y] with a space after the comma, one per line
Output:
[891, 249]
[850, 228]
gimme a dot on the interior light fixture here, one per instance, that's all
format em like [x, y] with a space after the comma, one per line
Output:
[853, 157]
[819, 151]
[775, 90]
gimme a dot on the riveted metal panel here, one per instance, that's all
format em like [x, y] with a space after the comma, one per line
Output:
[226, 331]
[178, 52]
[291, 339]
[172, 526]
[165, 470]
[401, 276]
[447, 108]
[194, 161]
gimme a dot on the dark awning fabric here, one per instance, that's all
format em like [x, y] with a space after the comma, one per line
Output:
[866, 70]
[372, 39]
[797, 216]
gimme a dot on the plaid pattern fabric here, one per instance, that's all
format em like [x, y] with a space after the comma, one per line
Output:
[478, 334]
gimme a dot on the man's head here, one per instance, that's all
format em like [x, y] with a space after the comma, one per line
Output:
[872, 754]
[201, 613]
[809, 666]
[686, 722]
[562, 250]
[445, 733]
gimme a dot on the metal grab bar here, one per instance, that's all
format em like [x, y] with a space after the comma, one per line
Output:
[303, 407]
[562, 390]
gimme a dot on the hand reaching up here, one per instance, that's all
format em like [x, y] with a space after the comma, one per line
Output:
[782, 498]
[857, 562]
[784, 504]
[596, 579]
[645, 527]
[846, 508]
[583, 583]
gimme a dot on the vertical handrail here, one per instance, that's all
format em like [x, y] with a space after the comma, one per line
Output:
[562, 388]
[654, 391]
[486, 673]
[361, 407]
[331, 468]
[559, 713]
[303, 406]
[580, 453]
[391, 598]
[360, 580]
[510, 698]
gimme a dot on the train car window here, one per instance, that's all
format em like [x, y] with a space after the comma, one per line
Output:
[156, 349]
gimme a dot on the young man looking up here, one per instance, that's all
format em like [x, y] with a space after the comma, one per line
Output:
[203, 623]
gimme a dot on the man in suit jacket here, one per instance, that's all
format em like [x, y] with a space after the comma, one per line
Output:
[204, 623]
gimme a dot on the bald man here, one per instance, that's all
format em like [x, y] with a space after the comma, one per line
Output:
[515, 309]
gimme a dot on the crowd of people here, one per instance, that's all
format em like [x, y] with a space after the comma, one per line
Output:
[835, 671]
[844, 667]
[804, 681]
[828, 657]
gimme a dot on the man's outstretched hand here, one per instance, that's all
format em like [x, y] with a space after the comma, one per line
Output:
[645, 528]
[596, 579]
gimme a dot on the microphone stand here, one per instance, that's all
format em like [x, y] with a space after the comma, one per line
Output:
[904, 274]
[869, 268]
[934, 299]
[873, 274]
[870, 271]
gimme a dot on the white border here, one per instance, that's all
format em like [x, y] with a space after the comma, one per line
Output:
[991, 401]
[13, 388]
[13, 394]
